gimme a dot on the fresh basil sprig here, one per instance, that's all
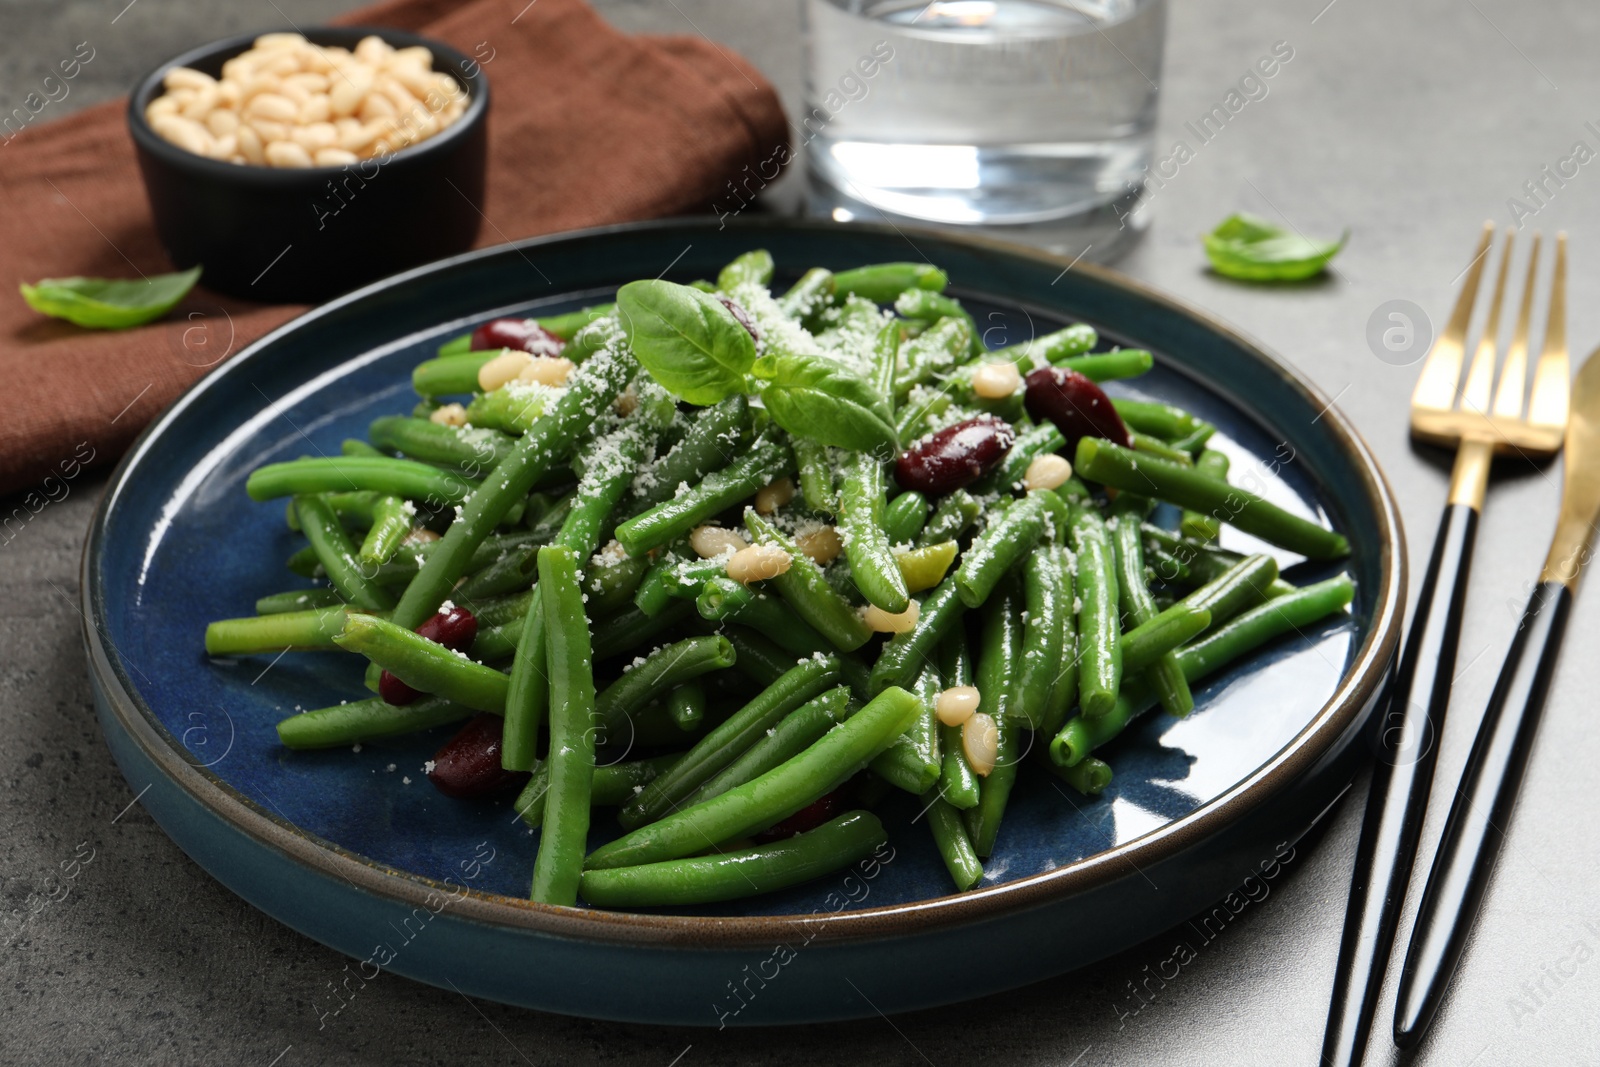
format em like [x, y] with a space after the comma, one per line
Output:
[1253, 249]
[110, 303]
[824, 401]
[686, 339]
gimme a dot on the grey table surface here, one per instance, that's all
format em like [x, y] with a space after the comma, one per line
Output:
[1408, 123]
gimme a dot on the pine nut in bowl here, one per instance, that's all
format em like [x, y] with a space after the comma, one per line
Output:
[296, 168]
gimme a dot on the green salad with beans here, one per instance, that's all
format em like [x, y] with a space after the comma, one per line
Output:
[733, 564]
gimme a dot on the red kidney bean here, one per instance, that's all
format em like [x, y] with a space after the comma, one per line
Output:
[455, 628]
[524, 335]
[742, 315]
[469, 763]
[1077, 406]
[956, 456]
[809, 817]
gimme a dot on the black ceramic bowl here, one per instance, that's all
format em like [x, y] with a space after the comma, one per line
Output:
[301, 236]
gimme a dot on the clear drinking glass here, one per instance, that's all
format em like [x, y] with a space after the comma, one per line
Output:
[1010, 115]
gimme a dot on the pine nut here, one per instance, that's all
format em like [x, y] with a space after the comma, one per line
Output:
[710, 542]
[547, 370]
[273, 106]
[1048, 471]
[282, 62]
[291, 91]
[758, 563]
[502, 369]
[308, 81]
[270, 131]
[185, 133]
[980, 740]
[161, 105]
[994, 381]
[225, 147]
[449, 415]
[771, 497]
[317, 135]
[887, 622]
[957, 704]
[284, 39]
[222, 121]
[376, 106]
[287, 154]
[373, 49]
[200, 105]
[822, 544]
[188, 78]
[334, 157]
[250, 145]
[419, 535]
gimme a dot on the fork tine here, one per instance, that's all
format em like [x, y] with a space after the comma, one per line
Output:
[1551, 377]
[1436, 388]
[1514, 375]
[1480, 376]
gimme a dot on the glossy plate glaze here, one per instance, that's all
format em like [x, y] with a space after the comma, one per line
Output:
[357, 850]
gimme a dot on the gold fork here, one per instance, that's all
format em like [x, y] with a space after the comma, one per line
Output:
[1419, 693]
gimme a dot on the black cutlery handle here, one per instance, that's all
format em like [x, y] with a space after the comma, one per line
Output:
[1480, 812]
[1404, 739]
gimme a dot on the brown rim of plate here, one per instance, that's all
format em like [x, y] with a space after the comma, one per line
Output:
[1357, 686]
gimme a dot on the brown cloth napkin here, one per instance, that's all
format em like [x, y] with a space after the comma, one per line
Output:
[617, 128]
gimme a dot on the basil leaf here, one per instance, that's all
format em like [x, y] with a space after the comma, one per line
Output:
[823, 401]
[1253, 249]
[110, 303]
[686, 339]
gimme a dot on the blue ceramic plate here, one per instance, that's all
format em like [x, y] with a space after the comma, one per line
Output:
[357, 850]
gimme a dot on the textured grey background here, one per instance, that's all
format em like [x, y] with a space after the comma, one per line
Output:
[1408, 123]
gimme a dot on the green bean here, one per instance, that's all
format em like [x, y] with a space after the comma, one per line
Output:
[801, 683]
[725, 600]
[337, 554]
[1064, 684]
[565, 832]
[391, 524]
[993, 553]
[816, 474]
[1089, 777]
[772, 797]
[1074, 340]
[1196, 439]
[611, 581]
[1101, 461]
[450, 375]
[836, 844]
[298, 600]
[1231, 641]
[350, 446]
[424, 665]
[925, 567]
[1158, 420]
[662, 670]
[1041, 652]
[805, 589]
[397, 477]
[808, 297]
[953, 517]
[372, 719]
[1099, 627]
[930, 307]
[512, 408]
[885, 350]
[950, 835]
[999, 663]
[613, 784]
[994, 789]
[459, 345]
[609, 470]
[1030, 445]
[674, 578]
[936, 352]
[594, 386]
[686, 705]
[474, 449]
[759, 660]
[749, 268]
[883, 282]
[311, 628]
[566, 325]
[1201, 563]
[1110, 366]
[714, 437]
[1198, 525]
[1163, 673]
[1159, 635]
[1247, 583]
[919, 408]
[905, 517]
[767, 460]
[1146, 445]
[496, 643]
[866, 546]
[794, 733]
[905, 653]
[913, 761]
[958, 782]
[543, 530]
[601, 334]
[631, 628]
[527, 692]
[353, 507]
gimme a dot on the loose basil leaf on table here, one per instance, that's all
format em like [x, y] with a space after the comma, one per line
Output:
[110, 303]
[1253, 249]
[824, 401]
[688, 340]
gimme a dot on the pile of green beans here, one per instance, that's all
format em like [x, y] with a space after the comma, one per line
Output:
[740, 635]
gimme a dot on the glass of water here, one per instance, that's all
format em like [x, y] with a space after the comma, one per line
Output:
[1031, 118]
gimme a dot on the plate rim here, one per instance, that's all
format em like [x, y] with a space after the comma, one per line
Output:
[1357, 686]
